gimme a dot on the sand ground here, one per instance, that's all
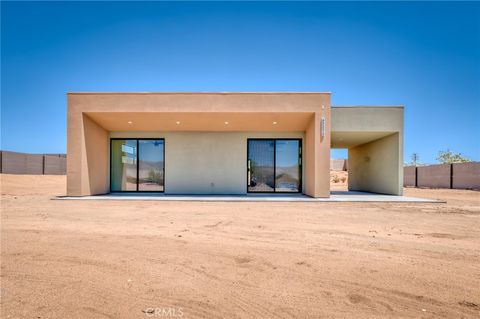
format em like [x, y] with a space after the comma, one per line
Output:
[111, 259]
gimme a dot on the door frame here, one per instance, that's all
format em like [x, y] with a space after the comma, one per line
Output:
[137, 139]
[300, 165]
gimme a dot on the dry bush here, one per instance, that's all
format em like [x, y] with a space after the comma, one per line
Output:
[335, 178]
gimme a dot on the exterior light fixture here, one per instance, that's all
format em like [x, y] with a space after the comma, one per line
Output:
[274, 123]
[177, 122]
[129, 122]
[322, 127]
[226, 123]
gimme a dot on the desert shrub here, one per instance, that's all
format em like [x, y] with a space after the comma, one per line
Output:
[448, 157]
[155, 176]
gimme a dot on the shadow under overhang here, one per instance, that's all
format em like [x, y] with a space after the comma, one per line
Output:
[202, 121]
[353, 139]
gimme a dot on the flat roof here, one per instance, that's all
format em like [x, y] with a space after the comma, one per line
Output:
[286, 92]
[368, 106]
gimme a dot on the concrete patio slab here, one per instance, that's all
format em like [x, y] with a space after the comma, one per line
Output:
[336, 196]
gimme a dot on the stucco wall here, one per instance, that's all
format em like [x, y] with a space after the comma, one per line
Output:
[88, 157]
[198, 102]
[317, 156]
[206, 162]
[96, 157]
[374, 167]
[367, 119]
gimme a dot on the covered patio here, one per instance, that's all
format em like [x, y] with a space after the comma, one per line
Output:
[374, 139]
[335, 196]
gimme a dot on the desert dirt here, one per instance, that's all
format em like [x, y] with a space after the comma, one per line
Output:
[134, 259]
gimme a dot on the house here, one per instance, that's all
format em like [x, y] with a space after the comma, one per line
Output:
[228, 143]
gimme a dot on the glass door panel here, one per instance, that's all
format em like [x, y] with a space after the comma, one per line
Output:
[260, 166]
[151, 165]
[123, 165]
[287, 166]
[274, 165]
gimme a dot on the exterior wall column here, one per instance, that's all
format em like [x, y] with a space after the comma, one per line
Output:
[88, 153]
[317, 155]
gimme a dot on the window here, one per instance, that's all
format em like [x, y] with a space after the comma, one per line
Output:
[150, 165]
[274, 165]
[123, 165]
[287, 165]
[261, 165]
[137, 165]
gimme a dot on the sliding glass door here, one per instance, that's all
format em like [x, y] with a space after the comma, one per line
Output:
[261, 165]
[123, 165]
[137, 165]
[287, 166]
[274, 165]
[150, 165]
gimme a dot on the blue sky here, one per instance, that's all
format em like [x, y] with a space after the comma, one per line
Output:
[423, 55]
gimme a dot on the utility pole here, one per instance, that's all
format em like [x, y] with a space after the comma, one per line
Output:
[415, 159]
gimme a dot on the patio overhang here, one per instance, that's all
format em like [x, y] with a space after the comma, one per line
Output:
[203, 121]
[374, 139]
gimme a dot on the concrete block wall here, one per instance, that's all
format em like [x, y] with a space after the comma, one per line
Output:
[21, 163]
[466, 175]
[457, 176]
[434, 176]
[338, 165]
[32, 164]
[13, 163]
[409, 178]
[55, 164]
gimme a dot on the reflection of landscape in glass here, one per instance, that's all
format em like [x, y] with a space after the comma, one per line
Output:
[150, 164]
[261, 160]
[124, 156]
[124, 165]
[273, 165]
[287, 170]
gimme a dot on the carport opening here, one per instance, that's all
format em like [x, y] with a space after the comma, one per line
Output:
[338, 169]
[374, 161]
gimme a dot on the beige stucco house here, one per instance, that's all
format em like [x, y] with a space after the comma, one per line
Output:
[228, 143]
